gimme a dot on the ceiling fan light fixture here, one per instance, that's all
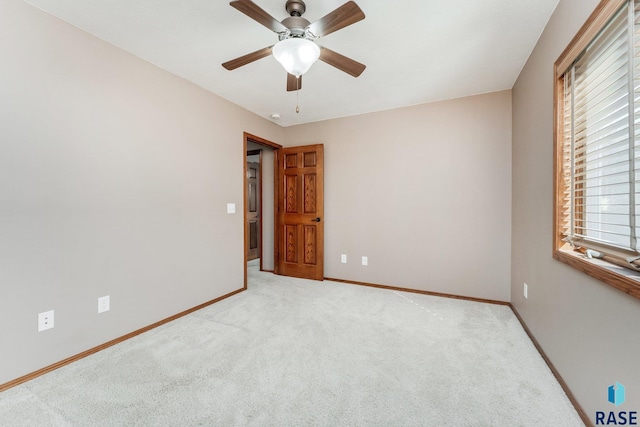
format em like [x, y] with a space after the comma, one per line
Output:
[296, 54]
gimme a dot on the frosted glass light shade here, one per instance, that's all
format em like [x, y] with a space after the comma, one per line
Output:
[296, 55]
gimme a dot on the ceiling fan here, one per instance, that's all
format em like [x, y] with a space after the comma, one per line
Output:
[296, 49]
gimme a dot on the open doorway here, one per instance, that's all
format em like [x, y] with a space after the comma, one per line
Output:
[259, 168]
[253, 215]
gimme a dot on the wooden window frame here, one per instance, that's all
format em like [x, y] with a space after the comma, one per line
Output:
[627, 283]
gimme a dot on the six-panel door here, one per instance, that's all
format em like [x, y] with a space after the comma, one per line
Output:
[300, 212]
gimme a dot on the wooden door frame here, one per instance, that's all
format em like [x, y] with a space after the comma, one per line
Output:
[246, 138]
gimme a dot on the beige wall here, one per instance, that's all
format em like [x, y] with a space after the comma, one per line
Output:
[424, 192]
[114, 180]
[588, 329]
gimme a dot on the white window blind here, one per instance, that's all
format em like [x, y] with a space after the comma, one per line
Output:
[600, 137]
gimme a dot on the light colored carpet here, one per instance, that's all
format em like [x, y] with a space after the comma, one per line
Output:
[291, 352]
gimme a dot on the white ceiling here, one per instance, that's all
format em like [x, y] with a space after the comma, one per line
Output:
[416, 51]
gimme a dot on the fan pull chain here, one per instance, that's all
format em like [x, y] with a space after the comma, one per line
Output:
[297, 96]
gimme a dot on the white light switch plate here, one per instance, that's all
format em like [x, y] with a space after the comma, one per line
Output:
[365, 260]
[231, 208]
[343, 258]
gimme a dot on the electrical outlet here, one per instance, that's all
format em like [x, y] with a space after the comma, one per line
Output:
[104, 304]
[526, 291]
[45, 320]
[343, 258]
[365, 260]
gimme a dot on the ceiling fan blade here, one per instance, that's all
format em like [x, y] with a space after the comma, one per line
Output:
[256, 13]
[293, 82]
[341, 62]
[347, 14]
[248, 58]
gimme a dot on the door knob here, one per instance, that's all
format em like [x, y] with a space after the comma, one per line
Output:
[316, 219]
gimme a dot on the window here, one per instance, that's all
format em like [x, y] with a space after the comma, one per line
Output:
[597, 140]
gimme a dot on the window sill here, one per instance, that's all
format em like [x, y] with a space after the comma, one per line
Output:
[621, 278]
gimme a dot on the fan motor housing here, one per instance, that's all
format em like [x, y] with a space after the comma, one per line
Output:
[296, 25]
[295, 7]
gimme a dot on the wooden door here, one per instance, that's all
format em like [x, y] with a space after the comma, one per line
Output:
[300, 219]
[253, 211]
